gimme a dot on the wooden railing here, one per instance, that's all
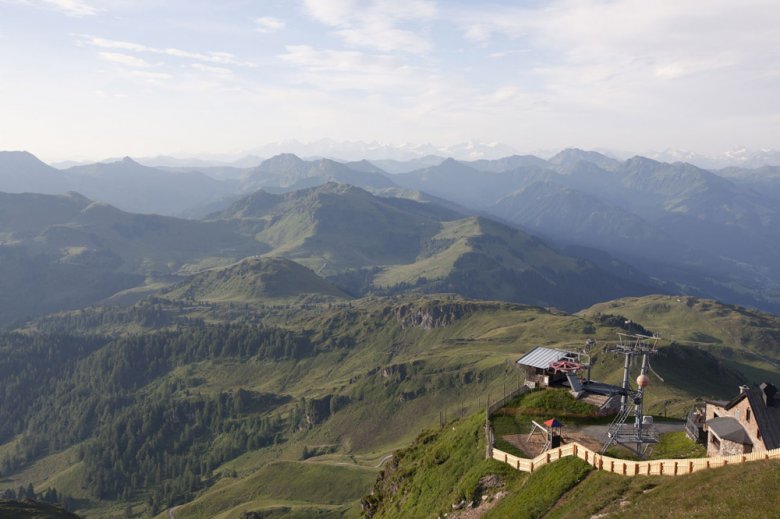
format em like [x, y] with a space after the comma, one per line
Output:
[630, 468]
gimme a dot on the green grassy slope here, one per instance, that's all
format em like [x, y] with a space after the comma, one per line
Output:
[747, 490]
[542, 490]
[326, 488]
[444, 468]
[255, 280]
[334, 226]
[63, 252]
[439, 469]
[389, 365]
[743, 339]
[701, 321]
[483, 259]
[340, 383]
[368, 244]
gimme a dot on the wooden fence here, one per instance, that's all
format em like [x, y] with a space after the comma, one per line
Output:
[492, 408]
[630, 468]
[498, 404]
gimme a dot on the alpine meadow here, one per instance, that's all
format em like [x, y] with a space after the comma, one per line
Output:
[344, 259]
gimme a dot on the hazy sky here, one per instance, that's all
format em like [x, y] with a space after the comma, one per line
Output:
[97, 78]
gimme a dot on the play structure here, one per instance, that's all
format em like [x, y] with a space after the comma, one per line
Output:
[551, 429]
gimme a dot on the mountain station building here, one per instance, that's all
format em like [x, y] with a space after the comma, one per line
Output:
[750, 422]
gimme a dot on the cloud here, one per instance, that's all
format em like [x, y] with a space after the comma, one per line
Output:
[211, 70]
[76, 8]
[606, 52]
[268, 24]
[124, 59]
[478, 32]
[376, 24]
[72, 7]
[329, 69]
[148, 76]
[223, 58]
[339, 61]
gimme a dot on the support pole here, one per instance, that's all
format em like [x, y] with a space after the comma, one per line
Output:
[626, 375]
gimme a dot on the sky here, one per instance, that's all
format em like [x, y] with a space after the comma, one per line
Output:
[87, 79]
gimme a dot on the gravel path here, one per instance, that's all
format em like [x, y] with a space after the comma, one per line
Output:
[597, 432]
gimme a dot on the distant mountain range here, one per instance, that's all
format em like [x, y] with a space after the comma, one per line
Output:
[737, 157]
[124, 183]
[688, 229]
[703, 232]
[357, 150]
[65, 251]
[408, 152]
[289, 172]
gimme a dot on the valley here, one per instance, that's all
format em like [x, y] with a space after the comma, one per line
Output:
[273, 357]
[218, 398]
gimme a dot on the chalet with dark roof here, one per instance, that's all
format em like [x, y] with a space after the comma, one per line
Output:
[750, 422]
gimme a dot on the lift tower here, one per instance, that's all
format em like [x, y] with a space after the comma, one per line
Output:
[639, 435]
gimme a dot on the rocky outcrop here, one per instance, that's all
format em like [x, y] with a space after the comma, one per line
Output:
[430, 315]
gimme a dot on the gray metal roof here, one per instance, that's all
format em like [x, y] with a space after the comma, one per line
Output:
[541, 357]
[728, 428]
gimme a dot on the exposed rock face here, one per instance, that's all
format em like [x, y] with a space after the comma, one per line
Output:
[396, 372]
[430, 316]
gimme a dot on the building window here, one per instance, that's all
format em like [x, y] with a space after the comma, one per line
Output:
[715, 443]
[747, 415]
